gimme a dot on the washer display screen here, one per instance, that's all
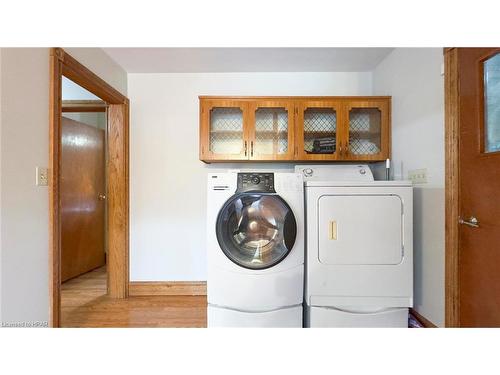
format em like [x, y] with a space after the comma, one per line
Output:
[256, 231]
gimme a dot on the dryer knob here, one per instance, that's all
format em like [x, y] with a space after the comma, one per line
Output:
[362, 171]
[308, 172]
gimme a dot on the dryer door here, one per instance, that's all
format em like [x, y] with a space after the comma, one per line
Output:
[360, 229]
[256, 231]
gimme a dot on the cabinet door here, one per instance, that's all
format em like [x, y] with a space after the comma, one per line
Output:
[271, 130]
[367, 130]
[223, 132]
[317, 132]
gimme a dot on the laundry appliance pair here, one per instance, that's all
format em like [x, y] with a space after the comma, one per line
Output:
[326, 246]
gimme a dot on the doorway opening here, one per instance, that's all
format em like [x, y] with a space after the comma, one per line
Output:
[88, 188]
[82, 200]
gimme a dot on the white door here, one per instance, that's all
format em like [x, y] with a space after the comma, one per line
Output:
[360, 229]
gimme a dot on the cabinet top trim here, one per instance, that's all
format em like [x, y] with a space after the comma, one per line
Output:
[295, 97]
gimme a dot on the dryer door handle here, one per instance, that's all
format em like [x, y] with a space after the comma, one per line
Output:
[332, 230]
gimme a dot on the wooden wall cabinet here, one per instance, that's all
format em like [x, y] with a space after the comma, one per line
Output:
[294, 129]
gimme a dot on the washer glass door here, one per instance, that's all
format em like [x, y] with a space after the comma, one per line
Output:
[255, 230]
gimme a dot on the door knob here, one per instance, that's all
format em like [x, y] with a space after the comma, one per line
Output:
[472, 222]
[101, 197]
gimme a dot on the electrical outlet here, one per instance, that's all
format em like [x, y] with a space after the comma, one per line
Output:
[418, 176]
[42, 176]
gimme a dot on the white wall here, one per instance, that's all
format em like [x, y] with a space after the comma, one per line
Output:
[72, 91]
[168, 182]
[96, 119]
[0, 185]
[25, 113]
[24, 145]
[413, 77]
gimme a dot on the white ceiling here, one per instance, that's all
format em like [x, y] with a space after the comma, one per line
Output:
[191, 60]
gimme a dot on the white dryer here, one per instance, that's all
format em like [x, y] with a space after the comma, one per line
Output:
[255, 239]
[359, 246]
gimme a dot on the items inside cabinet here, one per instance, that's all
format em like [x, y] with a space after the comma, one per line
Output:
[365, 131]
[320, 130]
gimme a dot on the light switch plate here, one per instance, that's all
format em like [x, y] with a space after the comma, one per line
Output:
[418, 176]
[42, 176]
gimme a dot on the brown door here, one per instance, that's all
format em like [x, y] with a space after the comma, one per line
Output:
[479, 187]
[82, 198]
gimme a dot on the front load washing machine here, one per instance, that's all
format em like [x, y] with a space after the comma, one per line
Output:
[255, 239]
[359, 246]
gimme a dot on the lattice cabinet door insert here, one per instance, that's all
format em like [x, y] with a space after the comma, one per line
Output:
[272, 131]
[365, 131]
[226, 138]
[318, 131]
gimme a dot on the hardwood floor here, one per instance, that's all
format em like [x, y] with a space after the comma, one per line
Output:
[84, 303]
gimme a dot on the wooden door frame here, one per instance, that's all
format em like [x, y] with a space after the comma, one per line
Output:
[452, 138]
[117, 170]
[86, 106]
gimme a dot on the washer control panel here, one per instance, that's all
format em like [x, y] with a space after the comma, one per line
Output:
[256, 182]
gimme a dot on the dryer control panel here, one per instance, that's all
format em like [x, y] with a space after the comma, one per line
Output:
[256, 182]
